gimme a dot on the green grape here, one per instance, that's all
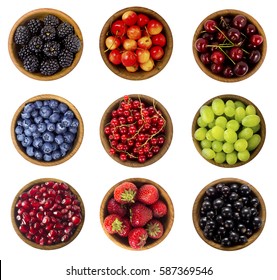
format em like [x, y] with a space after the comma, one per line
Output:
[230, 135]
[239, 114]
[239, 104]
[254, 142]
[206, 143]
[218, 133]
[228, 148]
[208, 153]
[230, 103]
[231, 158]
[221, 121]
[250, 120]
[211, 124]
[229, 111]
[200, 133]
[220, 157]
[256, 128]
[201, 123]
[250, 110]
[241, 145]
[218, 106]
[244, 156]
[217, 146]
[209, 135]
[246, 133]
[207, 114]
[233, 124]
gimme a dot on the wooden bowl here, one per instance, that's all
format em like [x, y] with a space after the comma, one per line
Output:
[261, 132]
[196, 214]
[167, 220]
[40, 14]
[76, 144]
[31, 242]
[120, 70]
[217, 15]
[106, 118]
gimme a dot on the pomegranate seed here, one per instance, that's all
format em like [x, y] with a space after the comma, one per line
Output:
[76, 220]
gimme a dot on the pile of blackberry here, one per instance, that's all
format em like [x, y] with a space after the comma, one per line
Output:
[46, 45]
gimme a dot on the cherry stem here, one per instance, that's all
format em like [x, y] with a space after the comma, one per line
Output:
[227, 56]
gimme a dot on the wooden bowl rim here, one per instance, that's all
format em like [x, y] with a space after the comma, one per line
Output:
[167, 221]
[78, 139]
[40, 13]
[140, 74]
[196, 206]
[168, 133]
[262, 131]
[263, 49]
[31, 243]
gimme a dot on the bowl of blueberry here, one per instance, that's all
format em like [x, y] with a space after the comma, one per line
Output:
[47, 213]
[229, 214]
[229, 45]
[47, 130]
[45, 44]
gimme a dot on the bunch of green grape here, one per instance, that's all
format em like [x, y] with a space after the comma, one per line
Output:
[228, 131]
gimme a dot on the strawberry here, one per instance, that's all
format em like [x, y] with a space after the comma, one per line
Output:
[140, 214]
[126, 227]
[159, 209]
[154, 229]
[137, 238]
[147, 194]
[125, 193]
[115, 207]
[113, 223]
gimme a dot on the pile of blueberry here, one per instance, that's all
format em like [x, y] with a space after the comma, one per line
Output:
[46, 129]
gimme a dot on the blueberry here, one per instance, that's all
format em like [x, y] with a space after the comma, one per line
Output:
[63, 107]
[38, 119]
[33, 127]
[65, 147]
[69, 137]
[38, 155]
[55, 146]
[34, 113]
[56, 155]
[18, 129]
[28, 108]
[66, 121]
[26, 123]
[41, 127]
[27, 141]
[47, 148]
[30, 151]
[25, 115]
[38, 142]
[36, 134]
[38, 104]
[55, 117]
[27, 132]
[73, 129]
[20, 137]
[46, 102]
[48, 136]
[60, 128]
[47, 157]
[45, 112]
[59, 139]
[75, 123]
[51, 126]
[53, 104]
[69, 114]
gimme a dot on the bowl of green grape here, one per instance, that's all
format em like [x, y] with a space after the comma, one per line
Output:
[228, 130]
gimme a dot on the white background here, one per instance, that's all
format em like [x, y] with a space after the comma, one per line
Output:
[182, 88]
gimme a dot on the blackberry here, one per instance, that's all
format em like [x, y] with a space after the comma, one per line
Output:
[35, 44]
[35, 25]
[31, 63]
[72, 43]
[48, 33]
[24, 52]
[22, 35]
[51, 20]
[64, 29]
[49, 67]
[65, 58]
[51, 48]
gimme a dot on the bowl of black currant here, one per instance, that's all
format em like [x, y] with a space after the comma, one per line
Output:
[229, 214]
[229, 45]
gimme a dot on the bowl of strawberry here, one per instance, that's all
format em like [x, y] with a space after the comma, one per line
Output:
[47, 213]
[137, 214]
[229, 45]
[136, 43]
[136, 130]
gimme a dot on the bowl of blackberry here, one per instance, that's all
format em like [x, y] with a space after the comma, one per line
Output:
[45, 44]
[47, 130]
[229, 214]
[229, 45]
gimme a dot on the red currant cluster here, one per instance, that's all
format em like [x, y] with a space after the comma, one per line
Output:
[136, 130]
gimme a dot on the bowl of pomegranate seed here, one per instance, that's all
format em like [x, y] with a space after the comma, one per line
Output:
[47, 130]
[136, 130]
[228, 130]
[136, 43]
[47, 213]
[137, 214]
[45, 44]
[229, 214]
[229, 45]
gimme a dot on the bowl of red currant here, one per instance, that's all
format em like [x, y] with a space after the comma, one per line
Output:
[229, 45]
[136, 43]
[229, 214]
[136, 130]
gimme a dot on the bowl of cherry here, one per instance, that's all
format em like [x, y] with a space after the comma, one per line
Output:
[228, 130]
[229, 214]
[136, 43]
[47, 130]
[136, 214]
[136, 130]
[229, 45]
[47, 213]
